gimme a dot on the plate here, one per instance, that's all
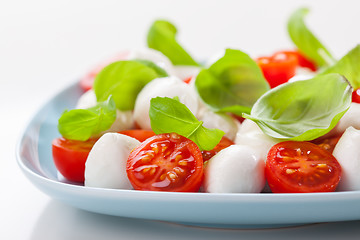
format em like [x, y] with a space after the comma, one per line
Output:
[202, 209]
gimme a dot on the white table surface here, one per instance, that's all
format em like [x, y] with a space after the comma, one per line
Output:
[46, 45]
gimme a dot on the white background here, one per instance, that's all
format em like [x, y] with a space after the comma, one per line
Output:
[46, 45]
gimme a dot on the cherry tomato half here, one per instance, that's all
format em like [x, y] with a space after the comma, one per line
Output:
[356, 95]
[166, 162]
[278, 68]
[300, 167]
[328, 143]
[70, 157]
[139, 134]
[224, 143]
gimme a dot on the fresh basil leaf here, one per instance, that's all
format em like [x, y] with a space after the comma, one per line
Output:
[232, 84]
[160, 71]
[169, 115]
[302, 110]
[81, 124]
[306, 41]
[161, 37]
[349, 66]
[123, 80]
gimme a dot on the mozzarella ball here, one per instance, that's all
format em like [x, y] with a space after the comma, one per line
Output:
[235, 169]
[220, 121]
[184, 72]
[251, 135]
[162, 87]
[105, 166]
[155, 56]
[347, 152]
[350, 119]
[124, 119]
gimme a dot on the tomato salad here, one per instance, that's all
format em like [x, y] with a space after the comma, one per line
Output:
[155, 119]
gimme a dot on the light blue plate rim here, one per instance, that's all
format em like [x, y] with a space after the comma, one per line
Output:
[33, 154]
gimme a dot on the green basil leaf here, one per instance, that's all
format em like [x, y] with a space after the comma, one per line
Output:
[81, 124]
[306, 41]
[303, 110]
[161, 37]
[160, 71]
[123, 80]
[349, 66]
[232, 84]
[169, 115]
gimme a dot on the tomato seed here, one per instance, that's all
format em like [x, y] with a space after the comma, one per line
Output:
[183, 163]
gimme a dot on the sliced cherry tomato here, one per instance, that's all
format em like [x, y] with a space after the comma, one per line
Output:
[87, 81]
[166, 162]
[300, 167]
[356, 95]
[224, 143]
[302, 60]
[70, 157]
[328, 143]
[278, 68]
[139, 134]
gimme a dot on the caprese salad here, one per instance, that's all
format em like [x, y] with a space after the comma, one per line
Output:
[156, 119]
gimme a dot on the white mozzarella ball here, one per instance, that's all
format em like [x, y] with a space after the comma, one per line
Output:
[235, 169]
[350, 119]
[124, 119]
[251, 135]
[86, 100]
[105, 166]
[347, 152]
[220, 121]
[162, 87]
[184, 72]
[155, 56]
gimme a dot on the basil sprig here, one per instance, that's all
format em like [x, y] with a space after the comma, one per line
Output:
[306, 41]
[231, 84]
[81, 124]
[162, 37]
[123, 80]
[302, 110]
[169, 115]
[349, 66]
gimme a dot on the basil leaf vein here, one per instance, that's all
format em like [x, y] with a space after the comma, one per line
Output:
[81, 124]
[168, 115]
[303, 110]
[231, 84]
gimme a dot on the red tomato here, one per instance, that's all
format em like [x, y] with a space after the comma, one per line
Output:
[278, 68]
[224, 143]
[302, 60]
[139, 134]
[187, 80]
[87, 81]
[356, 95]
[166, 162]
[328, 143]
[300, 167]
[70, 157]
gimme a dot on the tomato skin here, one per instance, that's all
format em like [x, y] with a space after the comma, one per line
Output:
[356, 95]
[70, 157]
[224, 143]
[139, 134]
[301, 167]
[166, 162]
[278, 68]
[302, 60]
